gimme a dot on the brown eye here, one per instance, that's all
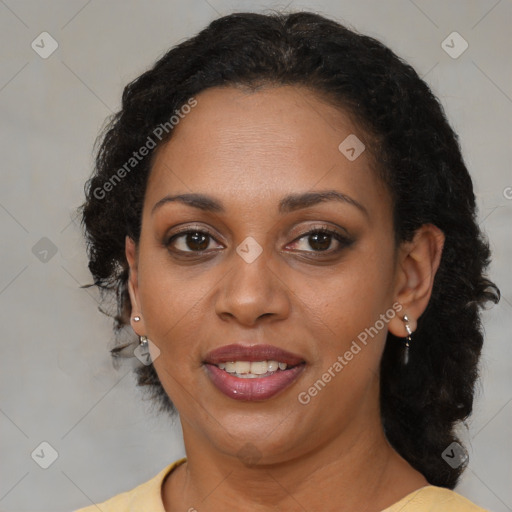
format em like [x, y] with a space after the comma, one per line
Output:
[190, 241]
[321, 240]
[197, 241]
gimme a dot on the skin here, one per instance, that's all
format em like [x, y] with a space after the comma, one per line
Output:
[248, 150]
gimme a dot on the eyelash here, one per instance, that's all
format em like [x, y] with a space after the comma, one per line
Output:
[344, 241]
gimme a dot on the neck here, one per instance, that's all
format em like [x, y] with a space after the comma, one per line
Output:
[357, 470]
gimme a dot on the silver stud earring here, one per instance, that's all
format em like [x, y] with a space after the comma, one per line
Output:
[136, 318]
[408, 339]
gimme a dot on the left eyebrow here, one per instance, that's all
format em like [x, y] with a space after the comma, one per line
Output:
[294, 202]
[287, 204]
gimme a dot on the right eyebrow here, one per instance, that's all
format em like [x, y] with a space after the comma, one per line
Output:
[201, 201]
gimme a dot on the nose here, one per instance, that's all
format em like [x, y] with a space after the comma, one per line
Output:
[252, 291]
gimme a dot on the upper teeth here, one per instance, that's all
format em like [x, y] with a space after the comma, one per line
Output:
[254, 367]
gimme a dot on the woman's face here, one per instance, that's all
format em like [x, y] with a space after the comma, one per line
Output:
[256, 276]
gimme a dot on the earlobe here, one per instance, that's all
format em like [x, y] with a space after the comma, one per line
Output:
[419, 262]
[136, 318]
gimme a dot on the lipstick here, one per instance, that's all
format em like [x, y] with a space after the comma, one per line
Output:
[275, 370]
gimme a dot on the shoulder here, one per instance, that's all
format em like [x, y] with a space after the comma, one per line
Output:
[434, 499]
[146, 496]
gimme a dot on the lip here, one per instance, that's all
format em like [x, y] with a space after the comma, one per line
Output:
[252, 353]
[259, 388]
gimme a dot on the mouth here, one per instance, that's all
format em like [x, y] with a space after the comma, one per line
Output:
[252, 373]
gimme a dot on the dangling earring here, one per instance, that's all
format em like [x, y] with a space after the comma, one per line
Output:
[408, 339]
[143, 342]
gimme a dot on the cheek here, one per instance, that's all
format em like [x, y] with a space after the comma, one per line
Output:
[344, 311]
[171, 303]
[355, 295]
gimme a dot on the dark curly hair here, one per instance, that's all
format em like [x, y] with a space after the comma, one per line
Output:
[417, 155]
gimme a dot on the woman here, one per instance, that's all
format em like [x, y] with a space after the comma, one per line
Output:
[286, 218]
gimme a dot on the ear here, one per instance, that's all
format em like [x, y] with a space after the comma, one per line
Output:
[418, 261]
[133, 286]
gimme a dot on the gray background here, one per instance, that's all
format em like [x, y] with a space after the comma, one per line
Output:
[57, 381]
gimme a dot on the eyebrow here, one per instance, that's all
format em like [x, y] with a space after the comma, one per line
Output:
[287, 204]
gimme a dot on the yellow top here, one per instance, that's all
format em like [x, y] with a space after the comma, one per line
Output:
[147, 498]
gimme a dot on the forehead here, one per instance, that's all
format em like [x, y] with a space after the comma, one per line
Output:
[263, 144]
